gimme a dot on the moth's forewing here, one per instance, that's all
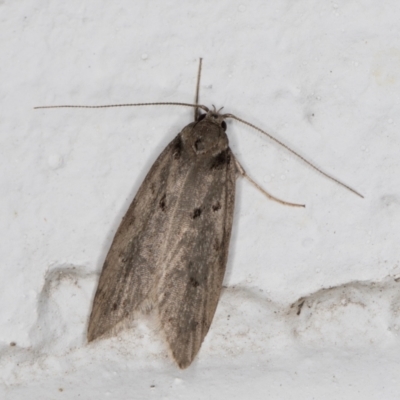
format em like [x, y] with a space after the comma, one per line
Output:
[196, 255]
[171, 248]
[130, 272]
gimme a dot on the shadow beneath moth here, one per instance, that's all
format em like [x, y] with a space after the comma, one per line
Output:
[171, 248]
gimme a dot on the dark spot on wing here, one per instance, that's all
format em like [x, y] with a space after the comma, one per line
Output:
[126, 269]
[162, 203]
[129, 221]
[177, 150]
[223, 158]
[194, 282]
[216, 206]
[114, 306]
[198, 144]
[193, 325]
[196, 213]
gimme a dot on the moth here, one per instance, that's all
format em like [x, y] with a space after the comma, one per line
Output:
[170, 251]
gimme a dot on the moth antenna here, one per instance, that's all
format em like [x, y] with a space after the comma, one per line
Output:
[196, 100]
[130, 105]
[295, 153]
[204, 108]
[262, 190]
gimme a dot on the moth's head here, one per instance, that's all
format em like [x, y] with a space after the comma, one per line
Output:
[207, 134]
[213, 116]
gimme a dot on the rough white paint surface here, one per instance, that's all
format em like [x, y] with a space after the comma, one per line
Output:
[322, 76]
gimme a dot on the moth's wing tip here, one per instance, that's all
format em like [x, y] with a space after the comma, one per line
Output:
[91, 336]
[94, 333]
[183, 364]
[182, 359]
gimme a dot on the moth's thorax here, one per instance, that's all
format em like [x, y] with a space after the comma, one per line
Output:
[206, 136]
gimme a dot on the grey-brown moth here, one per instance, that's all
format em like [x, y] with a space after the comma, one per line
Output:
[170, 251]
[171, 248]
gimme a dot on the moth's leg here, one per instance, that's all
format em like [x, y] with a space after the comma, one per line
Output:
[242, 172]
